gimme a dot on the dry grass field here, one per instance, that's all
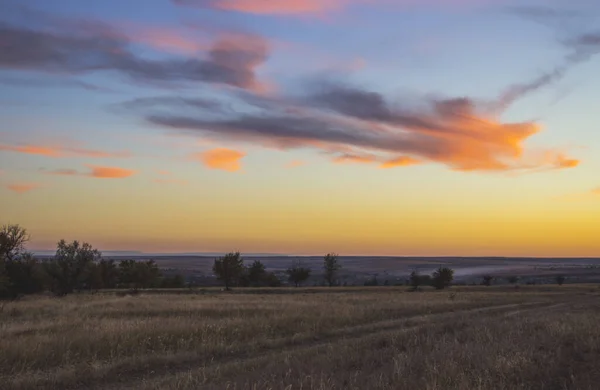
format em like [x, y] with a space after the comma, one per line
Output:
[532, 337]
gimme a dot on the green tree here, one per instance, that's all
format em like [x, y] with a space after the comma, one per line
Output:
[229, 268]
[298, 274]
[331, 266]
[71, 267]
[442, 277]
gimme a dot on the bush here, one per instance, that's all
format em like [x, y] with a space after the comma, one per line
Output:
[487, 280]
[298, 274]
[560, 280]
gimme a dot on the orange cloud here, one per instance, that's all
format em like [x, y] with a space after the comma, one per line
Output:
[110, 172]
[402, 161]
[221, 158]
[295, 164]
[354, 158]
[22, 188]
[57, 152]
[164, 172]
[596, 191]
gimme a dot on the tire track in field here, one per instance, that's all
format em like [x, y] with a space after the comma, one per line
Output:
[127, 373]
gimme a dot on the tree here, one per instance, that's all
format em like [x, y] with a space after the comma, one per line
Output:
[271, 280]
[560, 279]
[487, 280]
[25, 276]
[442, 277]
[12, 242]
[71, 267]
[256, 273]
[331, 266]
[512, 279]
[138, 274]
[297, 273]
[174, 281]
[229, 268]
[415, 280]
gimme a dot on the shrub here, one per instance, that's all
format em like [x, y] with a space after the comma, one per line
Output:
[487, 280]
[560, 279]
[297, 274]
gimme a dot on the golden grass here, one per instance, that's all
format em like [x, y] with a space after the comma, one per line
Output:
[384, 338]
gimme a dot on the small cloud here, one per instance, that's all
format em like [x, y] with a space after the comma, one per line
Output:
[59, 151]
[596, 191]
[171, 181]
[164, 172]
[565, 162]
[402, 161]
[221, 158]
[109, 172]
[63, 172]
[295, 164]
[354, 158]
[22, 188]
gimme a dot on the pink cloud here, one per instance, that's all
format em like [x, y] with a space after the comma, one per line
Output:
[22, 188]
[221, 158]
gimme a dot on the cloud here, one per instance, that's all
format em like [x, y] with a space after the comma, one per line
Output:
[312, 7]
[95, 171]
[221, 158]
[109, 172]
[164, 172]
[171, 181]
[596, 191]
[58, 152]
[92, 47]
[402, 161]
[63, 172]
[295, 164]
[357, 125]
[22, 188]
[287, 7]
[354, 158]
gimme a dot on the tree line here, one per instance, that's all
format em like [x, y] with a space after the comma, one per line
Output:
[231, 271]
[74, 267]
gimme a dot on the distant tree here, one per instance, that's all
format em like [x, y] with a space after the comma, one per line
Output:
[386, 283]
[256, 273]
[372, 282]
[415, 280]
[271, 280]
[70, 269]
[229, 268]
[138, 274]
[297, 274]
[512, 279]
[486, 280]
[331, 266]
[560, 279]
[12, 241]
[25, 275]
[173, 281]
[442, 277]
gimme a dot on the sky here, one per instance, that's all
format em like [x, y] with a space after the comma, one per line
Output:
[362, 127]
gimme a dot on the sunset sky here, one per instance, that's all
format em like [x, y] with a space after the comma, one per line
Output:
[364, 127]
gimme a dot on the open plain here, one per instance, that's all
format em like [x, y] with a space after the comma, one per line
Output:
[543, 337]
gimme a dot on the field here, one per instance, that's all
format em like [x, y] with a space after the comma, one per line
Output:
[542, 337]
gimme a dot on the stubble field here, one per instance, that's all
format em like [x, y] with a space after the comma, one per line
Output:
[340, 338]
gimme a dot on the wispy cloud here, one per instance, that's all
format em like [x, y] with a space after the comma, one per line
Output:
[221, 158]
[58, 151]
[402, 161]
[76, 47]
[99, 172]
[295, 164]
[110, 172]
[22, 188]
[367, 128]
[171, 181]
